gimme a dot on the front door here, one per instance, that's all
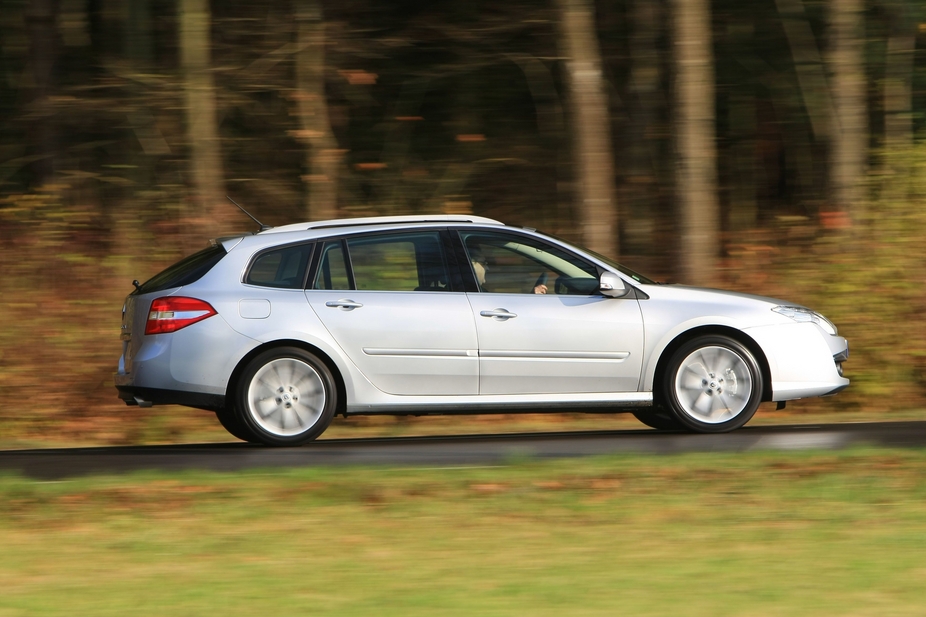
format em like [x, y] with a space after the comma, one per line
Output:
[542, 326]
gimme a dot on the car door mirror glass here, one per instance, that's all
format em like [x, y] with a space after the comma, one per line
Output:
[612, 286]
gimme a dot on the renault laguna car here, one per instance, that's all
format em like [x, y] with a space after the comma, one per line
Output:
[278, 331]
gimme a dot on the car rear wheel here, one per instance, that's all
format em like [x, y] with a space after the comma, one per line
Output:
[286, 397]
[712, 384]
[231, 423]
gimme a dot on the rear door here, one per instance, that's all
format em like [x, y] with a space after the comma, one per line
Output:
[389, 302]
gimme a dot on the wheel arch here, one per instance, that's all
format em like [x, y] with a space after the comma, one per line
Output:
[312, 349]
[737, 335]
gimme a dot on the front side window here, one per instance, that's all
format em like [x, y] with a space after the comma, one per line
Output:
[399, 262]
[282, 268]
[509, 263]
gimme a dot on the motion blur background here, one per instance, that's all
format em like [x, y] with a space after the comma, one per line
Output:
[767, 146]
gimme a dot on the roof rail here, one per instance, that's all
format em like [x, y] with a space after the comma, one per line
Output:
[386, 220]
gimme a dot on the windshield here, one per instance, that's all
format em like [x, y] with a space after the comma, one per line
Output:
[620, 268]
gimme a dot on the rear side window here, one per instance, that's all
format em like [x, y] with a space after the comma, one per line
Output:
[184, 272]
[283, 268]
[332, 269]
[399, 262]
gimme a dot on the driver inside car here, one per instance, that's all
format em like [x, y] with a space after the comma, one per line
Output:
[481, 267]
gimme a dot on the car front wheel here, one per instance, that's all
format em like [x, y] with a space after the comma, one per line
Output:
[712, 384]
[286, 397]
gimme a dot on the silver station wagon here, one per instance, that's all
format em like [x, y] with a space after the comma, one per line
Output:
[278, 331]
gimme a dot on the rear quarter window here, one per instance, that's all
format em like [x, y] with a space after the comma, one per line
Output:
[282, 268]
[185, 272]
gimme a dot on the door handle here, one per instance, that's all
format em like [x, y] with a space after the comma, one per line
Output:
[499, 314]
[347, 305]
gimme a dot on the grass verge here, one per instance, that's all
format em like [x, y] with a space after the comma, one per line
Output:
[708, 534]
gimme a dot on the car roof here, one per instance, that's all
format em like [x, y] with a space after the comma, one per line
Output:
[309, 231]
[382, 220]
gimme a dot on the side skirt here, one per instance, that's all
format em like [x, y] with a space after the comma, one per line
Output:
[528, 403]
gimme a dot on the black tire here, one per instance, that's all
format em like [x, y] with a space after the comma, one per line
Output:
[231, 423]
[285, 397]
[712, 384]
[659, 419]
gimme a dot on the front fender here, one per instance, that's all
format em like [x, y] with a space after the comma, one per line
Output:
[659, 339]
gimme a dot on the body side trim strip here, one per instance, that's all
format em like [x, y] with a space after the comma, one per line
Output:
[558, 355]
[429, 353]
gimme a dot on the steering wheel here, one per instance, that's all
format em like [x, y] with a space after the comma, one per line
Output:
[541, 280]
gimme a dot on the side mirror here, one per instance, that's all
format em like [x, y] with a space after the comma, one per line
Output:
[612, 286]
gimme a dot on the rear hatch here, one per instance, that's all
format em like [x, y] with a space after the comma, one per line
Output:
[135, 310]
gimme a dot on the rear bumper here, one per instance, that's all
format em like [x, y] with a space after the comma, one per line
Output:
[145, 397]
[189, 367]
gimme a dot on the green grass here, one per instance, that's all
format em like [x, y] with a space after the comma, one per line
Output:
[721, 534]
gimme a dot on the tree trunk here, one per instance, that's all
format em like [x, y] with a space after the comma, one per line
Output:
[642, 146]
[592, 127]
[696, 168]
[41, 22]
[125, 213]
[809, 66]
[744, 211]
[322, 157]
[898, 86]
[202, 129]
[551, 125]
[139, 44]
[848, 146]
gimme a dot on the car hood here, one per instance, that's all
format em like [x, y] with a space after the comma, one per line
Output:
[697, 305]
[705, 294]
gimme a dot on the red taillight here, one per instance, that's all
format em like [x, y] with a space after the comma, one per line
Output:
[172, 313]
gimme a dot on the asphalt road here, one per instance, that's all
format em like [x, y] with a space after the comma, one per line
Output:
[452, 450]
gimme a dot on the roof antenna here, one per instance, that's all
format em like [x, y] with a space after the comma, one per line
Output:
[251, 216]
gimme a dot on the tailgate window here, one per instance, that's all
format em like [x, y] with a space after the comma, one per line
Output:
[184, 272]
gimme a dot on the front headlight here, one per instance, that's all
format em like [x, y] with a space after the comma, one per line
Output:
[801, 314]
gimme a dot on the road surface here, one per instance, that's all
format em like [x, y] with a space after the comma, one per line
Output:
[452, 450]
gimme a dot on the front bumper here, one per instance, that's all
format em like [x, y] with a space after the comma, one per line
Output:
[803, 360]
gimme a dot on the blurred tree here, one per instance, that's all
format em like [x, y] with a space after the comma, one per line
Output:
[8, 106]
[696, 142]
[591, 127]
[808, 65]
[805, 120]
[322, 158]
[41, 23]
[849, 135]
[645, 103]
[202, 128]
[898, 83]
[548, 110]
[139, 46]
[738, 91]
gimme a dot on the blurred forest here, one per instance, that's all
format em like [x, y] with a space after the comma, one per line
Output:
[768, 146]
